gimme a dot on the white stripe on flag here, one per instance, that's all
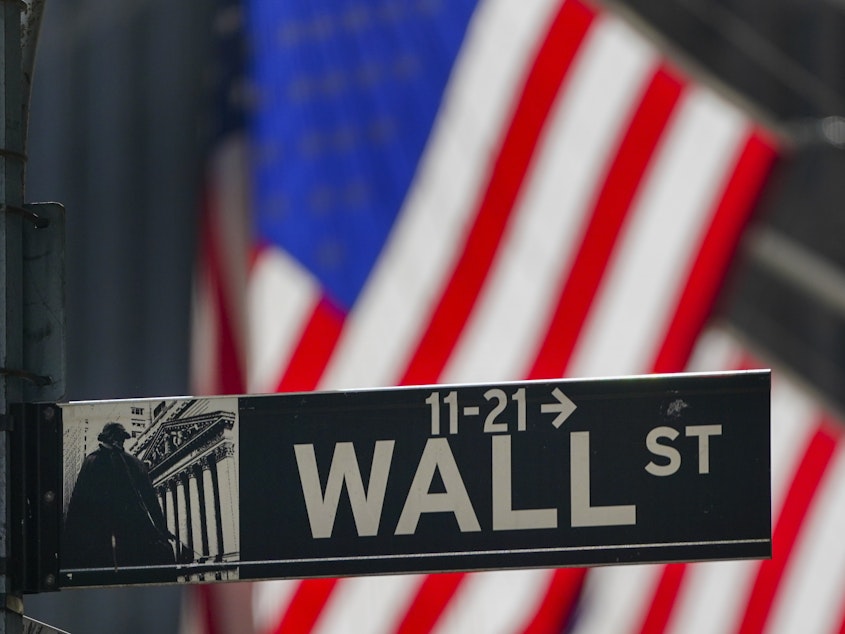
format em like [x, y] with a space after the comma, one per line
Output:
[648, 269]
[367, 604]
[715, 351]
[269, 599]
[712, 596]
[605, 83]
[615, 597]
[495, 602]
[281, 298]
[794, 419]
[383, 328]
[810, 598]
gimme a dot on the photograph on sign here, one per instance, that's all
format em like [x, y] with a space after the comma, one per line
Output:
[150, 491]
[417, 479]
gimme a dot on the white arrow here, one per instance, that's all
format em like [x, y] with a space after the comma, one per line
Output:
[564, 407]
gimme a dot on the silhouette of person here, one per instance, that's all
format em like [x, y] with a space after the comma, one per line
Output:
[114, 518]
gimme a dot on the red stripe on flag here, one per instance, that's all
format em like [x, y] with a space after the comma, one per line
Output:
[803, 487]
[664, 599]
[841, 629]
[230, 374]
[715, 253]
[314, 349]
[434, 594]
[306, 605]
[558, 603]
[547, 74]
[206, 609]
[605, 223]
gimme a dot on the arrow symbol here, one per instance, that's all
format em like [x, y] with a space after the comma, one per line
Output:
[564, 407]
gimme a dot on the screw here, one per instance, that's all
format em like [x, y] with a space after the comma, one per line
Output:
[49, 413]
[49, 497]
[50, 580]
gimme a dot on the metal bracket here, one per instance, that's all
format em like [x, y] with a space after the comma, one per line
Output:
[35, 379]
[36, 496]
[43, 304]
[23, 212]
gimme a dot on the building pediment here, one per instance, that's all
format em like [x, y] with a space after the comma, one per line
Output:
[177, 439]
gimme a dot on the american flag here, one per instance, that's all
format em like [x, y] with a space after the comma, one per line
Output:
[460, 191]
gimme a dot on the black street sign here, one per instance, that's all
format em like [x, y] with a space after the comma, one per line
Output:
[423, 479]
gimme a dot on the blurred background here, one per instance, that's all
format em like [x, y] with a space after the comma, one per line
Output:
[126, 110]
[120, 97]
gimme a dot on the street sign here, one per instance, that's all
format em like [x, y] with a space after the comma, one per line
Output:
[422, 479]
[31, 626]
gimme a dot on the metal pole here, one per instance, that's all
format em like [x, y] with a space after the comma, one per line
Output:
[12, 159]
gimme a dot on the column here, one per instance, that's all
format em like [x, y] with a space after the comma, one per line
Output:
[182, 506]
[218, 525]
[170, 507]
[228, 494]
[162, 500]
[198, 478]
[194, 510]
[210, 491]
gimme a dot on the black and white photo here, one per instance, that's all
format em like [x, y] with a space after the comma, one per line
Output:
[151, 485]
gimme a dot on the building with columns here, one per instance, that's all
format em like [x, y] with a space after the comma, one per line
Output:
[191, 450]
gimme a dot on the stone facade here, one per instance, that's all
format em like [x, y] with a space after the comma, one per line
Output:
[192, 459]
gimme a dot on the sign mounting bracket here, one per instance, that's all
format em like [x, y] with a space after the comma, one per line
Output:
[35, 498]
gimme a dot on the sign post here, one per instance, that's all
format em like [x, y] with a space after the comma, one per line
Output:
[11, 263]
[31, 303]
[423, 479]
